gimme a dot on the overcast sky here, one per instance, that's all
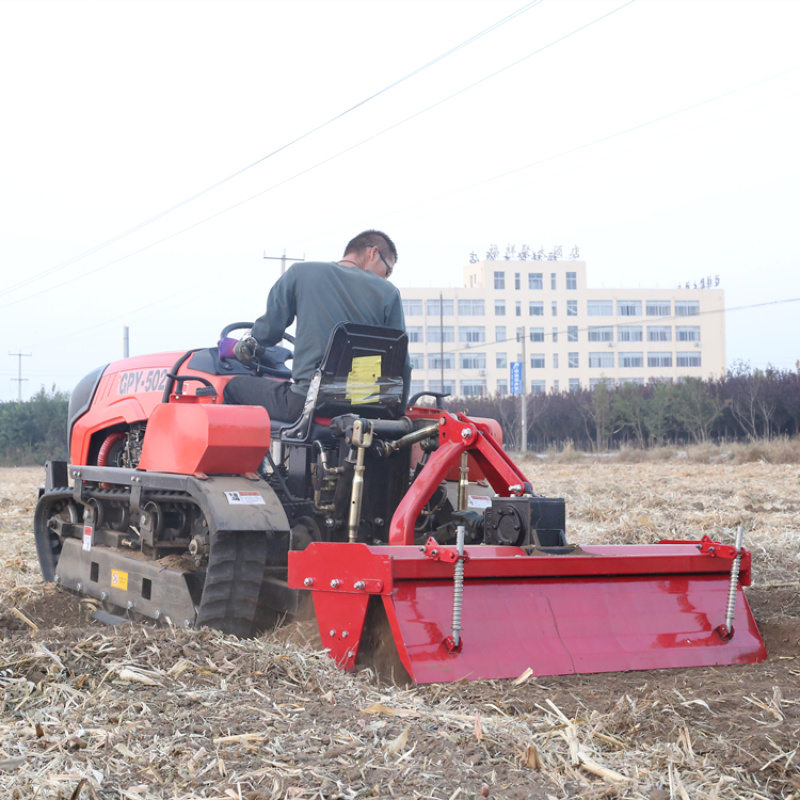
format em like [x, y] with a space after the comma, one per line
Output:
[659, 136]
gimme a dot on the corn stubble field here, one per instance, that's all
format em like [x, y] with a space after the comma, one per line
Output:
[95, 712]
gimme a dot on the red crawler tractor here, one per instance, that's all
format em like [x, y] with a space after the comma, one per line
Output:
[410, 528]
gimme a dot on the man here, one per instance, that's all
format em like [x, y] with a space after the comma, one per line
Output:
[320, 295]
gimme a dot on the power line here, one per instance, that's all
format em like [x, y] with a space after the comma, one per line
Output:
[653, 320]
[494, 26]
[615, 135]
[324, 161]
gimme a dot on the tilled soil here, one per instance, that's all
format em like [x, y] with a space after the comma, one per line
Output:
[137, 711]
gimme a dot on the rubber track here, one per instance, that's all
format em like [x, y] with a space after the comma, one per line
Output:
[42, 536]
[233, 582]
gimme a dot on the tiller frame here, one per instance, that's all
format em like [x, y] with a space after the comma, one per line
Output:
[490, 611]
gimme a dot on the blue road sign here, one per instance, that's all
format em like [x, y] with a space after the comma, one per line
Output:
[516, 377]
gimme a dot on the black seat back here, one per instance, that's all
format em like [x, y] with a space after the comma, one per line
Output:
[361, 373]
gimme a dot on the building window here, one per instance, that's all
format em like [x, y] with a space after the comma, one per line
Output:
[687, 333]
[553, 281]
[688, 359]
[435, 309]
[415, 387]
[601, 360]
[659, 333]
[501, 361]
[631, 360]
[473, 388]
[445, 387]
[473, 360]
[572, 333]
[537, 387]
[572, 280]
[634, 381]
[595, 382]
[414, 333]
[658, 308]
[687, 308]
[572, 308]
[537, 360]
[471, 334]
[574, 384]
[537, 334]
[412, 308]
[555, 360]
[440, 333]
[535, 280]
[517, 279]
[500, 333]
[601, 333]
[572, 360]
[441, 361]
[599, 308]
[499, 280]
[502, 387]
[629, 308]
[554, 308]
[555, 386]
[471, 308]
[518, 308]
[536, 308]
[519, 334]
[499, 308]
[629, 333]
[555, 335]
[417, 360]
[659, 359]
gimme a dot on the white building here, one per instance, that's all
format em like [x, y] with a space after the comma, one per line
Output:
[541, 313]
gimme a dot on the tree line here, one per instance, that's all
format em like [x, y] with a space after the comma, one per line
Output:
[34, 431]
[744, 405]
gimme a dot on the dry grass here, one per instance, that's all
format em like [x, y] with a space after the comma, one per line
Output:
[89, 712]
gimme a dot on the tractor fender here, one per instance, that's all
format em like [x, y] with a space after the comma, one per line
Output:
[236, 503]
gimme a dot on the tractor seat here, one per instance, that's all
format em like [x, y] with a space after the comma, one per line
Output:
[361, 373]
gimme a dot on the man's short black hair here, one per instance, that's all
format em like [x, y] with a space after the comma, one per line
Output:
[372, 239]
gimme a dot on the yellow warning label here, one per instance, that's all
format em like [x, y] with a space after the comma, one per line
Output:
[119, 580]
[363, 378]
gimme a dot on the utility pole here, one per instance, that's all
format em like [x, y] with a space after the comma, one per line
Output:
[441, 341]
[523, 416]
[19, 377]
[282, 259]
[125, 342]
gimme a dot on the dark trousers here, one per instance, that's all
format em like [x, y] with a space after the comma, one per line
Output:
[276, 396]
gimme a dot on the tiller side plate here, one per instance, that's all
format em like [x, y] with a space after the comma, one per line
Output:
[592, 609]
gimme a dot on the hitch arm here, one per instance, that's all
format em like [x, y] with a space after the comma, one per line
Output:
[457, 435]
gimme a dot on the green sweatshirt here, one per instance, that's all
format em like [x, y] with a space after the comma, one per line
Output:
[321, 295]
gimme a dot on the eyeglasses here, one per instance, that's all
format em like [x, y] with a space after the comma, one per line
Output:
[389, 269]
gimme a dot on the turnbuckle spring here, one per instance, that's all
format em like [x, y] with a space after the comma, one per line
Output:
[458, 586]
[734, 578]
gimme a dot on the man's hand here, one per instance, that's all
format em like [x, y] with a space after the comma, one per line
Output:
[247, 349]
[226, 346]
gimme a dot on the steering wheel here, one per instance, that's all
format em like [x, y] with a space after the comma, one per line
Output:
[239, 326]
[272, 362]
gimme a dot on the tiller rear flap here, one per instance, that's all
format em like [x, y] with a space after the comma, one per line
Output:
[512, 603]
